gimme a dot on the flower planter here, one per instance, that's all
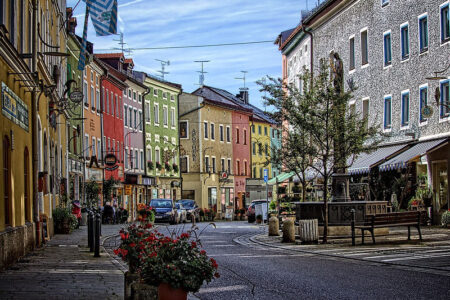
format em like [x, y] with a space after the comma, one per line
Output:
[142, 291]
[129, 279]
[166, 292]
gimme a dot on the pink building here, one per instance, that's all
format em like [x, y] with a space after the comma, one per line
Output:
[241, 153]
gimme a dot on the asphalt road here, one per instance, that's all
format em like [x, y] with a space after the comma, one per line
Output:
[267, 273]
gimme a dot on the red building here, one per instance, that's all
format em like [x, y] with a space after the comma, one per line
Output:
[113, 129]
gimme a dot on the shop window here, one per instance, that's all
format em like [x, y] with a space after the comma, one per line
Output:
[26, 184]
[7, 180]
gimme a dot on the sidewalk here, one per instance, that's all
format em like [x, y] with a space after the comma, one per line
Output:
[64, 269]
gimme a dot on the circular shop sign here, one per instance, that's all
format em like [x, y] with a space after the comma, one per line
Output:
[427, 111]
[110, 160]
[76, 96]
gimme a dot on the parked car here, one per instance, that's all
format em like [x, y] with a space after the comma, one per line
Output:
[165, 210]
[192, 209]
[251, 209]
[181, 213]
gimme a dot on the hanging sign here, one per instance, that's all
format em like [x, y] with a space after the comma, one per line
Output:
[111, 162]
[14, 108]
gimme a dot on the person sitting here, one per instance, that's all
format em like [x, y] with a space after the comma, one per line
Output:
[108, 213]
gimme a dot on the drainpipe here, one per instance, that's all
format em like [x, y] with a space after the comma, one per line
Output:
[103, 77]
[179, 144]
[308, 32]
[144, 139]
[34, 131]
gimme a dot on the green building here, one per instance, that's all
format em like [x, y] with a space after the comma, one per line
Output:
[161, 138]
[75, 120]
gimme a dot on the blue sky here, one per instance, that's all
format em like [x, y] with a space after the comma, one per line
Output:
[160, 23]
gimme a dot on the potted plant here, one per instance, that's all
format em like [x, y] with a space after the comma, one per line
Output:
[167, 167]
[202, 214]
[158, 166]
[64, 220]
[175, 167]
[146, 213]
[445, 219]
[150, 165]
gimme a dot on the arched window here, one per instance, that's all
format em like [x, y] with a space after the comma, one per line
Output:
[26, 185]
[7, 180]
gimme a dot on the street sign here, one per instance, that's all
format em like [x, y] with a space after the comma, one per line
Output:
[266, 175]
[128, 190]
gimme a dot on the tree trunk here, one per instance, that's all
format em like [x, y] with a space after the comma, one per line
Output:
[325, 210]
[303, 191]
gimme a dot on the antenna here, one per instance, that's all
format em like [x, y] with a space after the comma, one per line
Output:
[163, 67]
[201, 79]
[243, 77]
[121, 43]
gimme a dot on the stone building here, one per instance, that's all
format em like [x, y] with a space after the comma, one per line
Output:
[389, 50]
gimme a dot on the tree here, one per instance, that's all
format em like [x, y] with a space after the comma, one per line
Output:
[92, 190]
[322, 132]
[108, 187]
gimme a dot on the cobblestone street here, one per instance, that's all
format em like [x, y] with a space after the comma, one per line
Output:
[64, 269]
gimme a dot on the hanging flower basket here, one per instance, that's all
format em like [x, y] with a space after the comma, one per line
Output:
[167, 167]
[158, 166]
[150, 165]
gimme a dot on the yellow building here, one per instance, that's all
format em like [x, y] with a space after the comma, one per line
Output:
[16, 201]
[260, 147]
[206, 154]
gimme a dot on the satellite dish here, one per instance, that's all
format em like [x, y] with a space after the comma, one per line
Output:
[427, 111]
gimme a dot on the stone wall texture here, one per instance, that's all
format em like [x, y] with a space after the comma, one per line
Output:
[15, 242]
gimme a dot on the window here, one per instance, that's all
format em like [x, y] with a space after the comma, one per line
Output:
[253, 128]
[134, 96]
[172, 98]
[135, 119]
[126, 158]
[98, 99]
[229, 166]
[93, 147]
[213, 132]
[155, 92]
[136, 160]
[265, 130]
[205, 128]
[149, 154]
[228, 135]
[260, 173]
[172, 117]
[207, 164]
[254, 172]
[184, 164]
[142, 160]
[405, 109]
[129, 93]
[213, 164]
[237, 135]
[221, 132]
[404, 32]
[445, 24]
[7, 180]
[92, 98]
[12, 22]
[183, 129]
[245, 137]
[423, 33]
[445, 99]
[111, 98]
[222, 164]
[157, 156]
[364, 48]
[164, 95]
[365, 110]
[387, 112]
[125, 109]
[254, 148]
[130, 111]
[140, 120]
[423, 102]
[387, 49]
[109, 144]
[245, 168]
[85, 94]
[147, 112]
[260, 149]
[238, 167]
[99, 149]
[107, 101]
[352, 54]
[156, 113]
[116, 100]
[140, 98]
[259, 129]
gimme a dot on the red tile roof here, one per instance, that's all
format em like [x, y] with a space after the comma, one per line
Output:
[110, 55]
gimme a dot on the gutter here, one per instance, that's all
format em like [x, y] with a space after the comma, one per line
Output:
[308, 32]
[192, 110]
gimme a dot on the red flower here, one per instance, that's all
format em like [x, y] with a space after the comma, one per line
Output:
[193, 244]
[203, 252]
[214, 263]
[217, 275]
[132, 245]
[184, 235]
[116, 251]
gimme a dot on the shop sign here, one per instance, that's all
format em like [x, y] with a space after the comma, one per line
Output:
[76, 96]
[111, 162]
[14, 108]
[128, 189]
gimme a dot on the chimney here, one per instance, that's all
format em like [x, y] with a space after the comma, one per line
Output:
[243, 95]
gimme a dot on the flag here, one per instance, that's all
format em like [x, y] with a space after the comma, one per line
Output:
[103, 16]
[82, 59]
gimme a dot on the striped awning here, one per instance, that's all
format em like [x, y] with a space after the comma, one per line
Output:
[365, 161]
[400, 161]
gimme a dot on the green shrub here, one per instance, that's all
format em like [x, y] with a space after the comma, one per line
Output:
[445, 219]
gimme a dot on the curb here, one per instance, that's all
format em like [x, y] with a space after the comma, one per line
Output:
[113, 259]
[418, 268]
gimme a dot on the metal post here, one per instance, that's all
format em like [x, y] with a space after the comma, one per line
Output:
[267, 202]
[97, 235]
[90, 227]
[353, 226]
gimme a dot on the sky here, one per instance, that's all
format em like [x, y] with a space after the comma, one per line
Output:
[162, 23]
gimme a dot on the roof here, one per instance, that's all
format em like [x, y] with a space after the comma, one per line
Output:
[260, 115]
[283, 36]
[210, 95]
[365, 161]
[110, 55]
[400, 161]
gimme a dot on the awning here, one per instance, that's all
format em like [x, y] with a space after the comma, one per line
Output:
[400, 161]
[310, 174]
[364, 161]
[280, 178]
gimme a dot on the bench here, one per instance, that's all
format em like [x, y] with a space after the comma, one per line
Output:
[371, 222]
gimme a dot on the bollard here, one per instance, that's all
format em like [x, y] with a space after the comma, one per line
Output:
[91, 231]
[274, 226]
[288, 231]
[98, 221]
[353, 226]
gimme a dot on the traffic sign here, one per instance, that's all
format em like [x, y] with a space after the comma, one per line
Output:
[266, 175]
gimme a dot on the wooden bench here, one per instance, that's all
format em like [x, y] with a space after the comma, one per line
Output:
[371, 222]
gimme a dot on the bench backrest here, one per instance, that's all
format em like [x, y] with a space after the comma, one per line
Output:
[394, 218]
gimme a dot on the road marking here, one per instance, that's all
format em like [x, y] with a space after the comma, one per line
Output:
[222, 289]
[416, 257]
